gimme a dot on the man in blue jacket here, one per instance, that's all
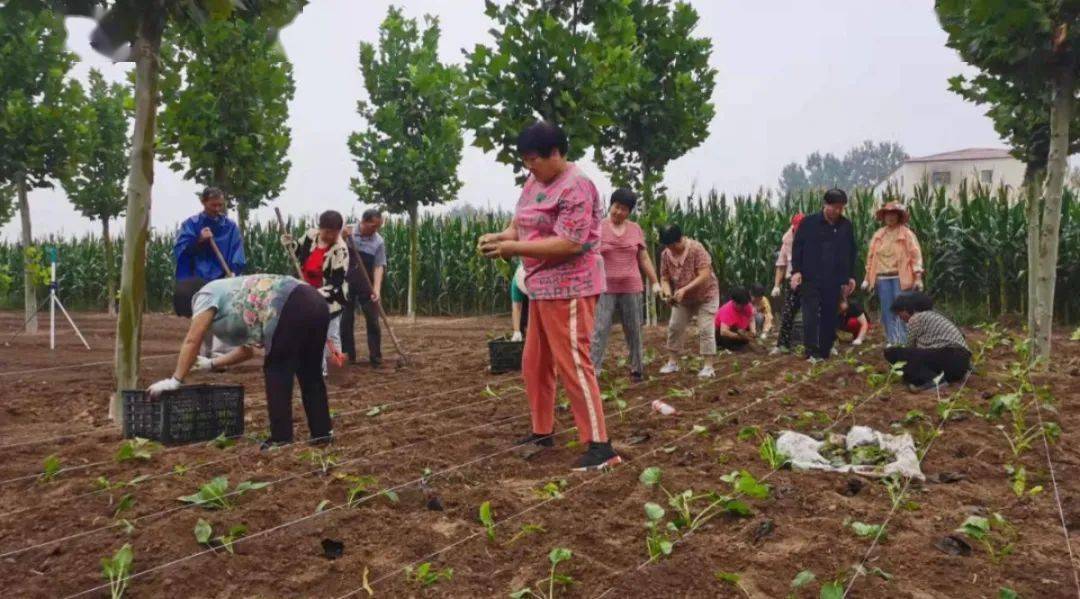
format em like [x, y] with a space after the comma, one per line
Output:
[195, 257]
[193, 254]
[823, 265]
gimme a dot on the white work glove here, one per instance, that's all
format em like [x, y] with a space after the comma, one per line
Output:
[919, 285]
[857, 342]
[202, 363]
[776, 291]
[865, 285]
[657, 289]
[169, 384]
[516, 336]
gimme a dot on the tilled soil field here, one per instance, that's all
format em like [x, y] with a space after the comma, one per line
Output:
[425, 446]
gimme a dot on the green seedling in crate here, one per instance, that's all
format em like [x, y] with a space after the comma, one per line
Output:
[116, 569]
[215, 494]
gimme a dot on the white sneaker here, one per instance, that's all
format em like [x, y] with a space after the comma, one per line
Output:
[706, 373]
[670, 368]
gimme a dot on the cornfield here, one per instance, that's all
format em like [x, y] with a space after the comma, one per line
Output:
[974, 248]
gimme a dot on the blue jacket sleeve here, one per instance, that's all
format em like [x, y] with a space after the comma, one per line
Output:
[185, 246]
[237, 259]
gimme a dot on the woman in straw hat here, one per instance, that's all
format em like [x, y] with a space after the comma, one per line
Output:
[893, 265]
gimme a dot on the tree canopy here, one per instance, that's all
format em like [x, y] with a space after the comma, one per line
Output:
[94, 179]
[864, 165]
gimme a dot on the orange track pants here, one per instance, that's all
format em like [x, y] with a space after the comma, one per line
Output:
[557, 343]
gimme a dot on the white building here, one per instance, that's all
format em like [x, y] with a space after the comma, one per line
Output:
[985, 166]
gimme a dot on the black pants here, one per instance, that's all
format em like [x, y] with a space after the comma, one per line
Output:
[787, 315]
[924, 365]
[820, 305]
[729, 343]
[297, 351]
[371, 323]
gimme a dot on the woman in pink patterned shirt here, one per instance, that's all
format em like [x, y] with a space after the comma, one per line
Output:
[622, 244]
[556, 232]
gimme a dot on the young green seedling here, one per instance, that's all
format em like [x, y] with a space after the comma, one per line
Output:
[1018, 482]
[50, 469]
[526, 530]
[732, 579]
[136, 449]
[127, 501]
[115, 569]
[487, 518]
[324, 459]
[551, 490]
[425, 576]
[869, 531]
[358, 487]
[995, 533]
[556, 557]
[775, 458]
[215, 494]
[203, 531]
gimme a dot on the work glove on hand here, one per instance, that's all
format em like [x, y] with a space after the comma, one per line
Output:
[919, 285]
[857, 342]
[865, 285]
[516, 336]
[658, 289]
[169, 384]
[202, 363]
[776, 291]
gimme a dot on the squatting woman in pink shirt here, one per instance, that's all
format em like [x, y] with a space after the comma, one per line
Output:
[556, 232]
[622, 244]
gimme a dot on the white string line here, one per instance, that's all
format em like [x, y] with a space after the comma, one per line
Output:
[767, 476]
[112, 428]
[343, 413]
[907, 483]
[327, 510]
[1057, 497]
[83, 365]
[237, 456]
[590, 480]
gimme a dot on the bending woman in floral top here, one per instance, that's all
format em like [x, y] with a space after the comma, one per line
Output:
[280, 314]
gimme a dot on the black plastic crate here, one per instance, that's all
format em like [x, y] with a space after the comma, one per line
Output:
[505, 355]
[189, 414]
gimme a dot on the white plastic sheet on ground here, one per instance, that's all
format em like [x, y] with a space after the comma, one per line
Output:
[803, 452]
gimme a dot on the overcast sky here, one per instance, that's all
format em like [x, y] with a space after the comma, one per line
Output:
[794, 76]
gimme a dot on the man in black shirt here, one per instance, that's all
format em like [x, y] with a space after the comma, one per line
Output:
[823, 264]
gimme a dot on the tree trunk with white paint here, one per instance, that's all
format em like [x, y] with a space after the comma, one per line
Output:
[1061, 110]
[30, 305]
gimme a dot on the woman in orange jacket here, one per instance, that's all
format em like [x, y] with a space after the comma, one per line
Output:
[893, 265]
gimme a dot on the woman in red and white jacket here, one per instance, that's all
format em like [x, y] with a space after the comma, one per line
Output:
[893, 265]
[324, 260]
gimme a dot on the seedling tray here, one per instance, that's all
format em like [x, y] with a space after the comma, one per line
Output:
[189, 414]
[505, 355]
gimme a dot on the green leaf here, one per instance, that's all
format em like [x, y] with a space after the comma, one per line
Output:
[558, 555]
[1007, 593]
[650, 476]
[653, 511]
[802, 579]
[867, 531]
[203, 531]
[728, 577]
[831, 590]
